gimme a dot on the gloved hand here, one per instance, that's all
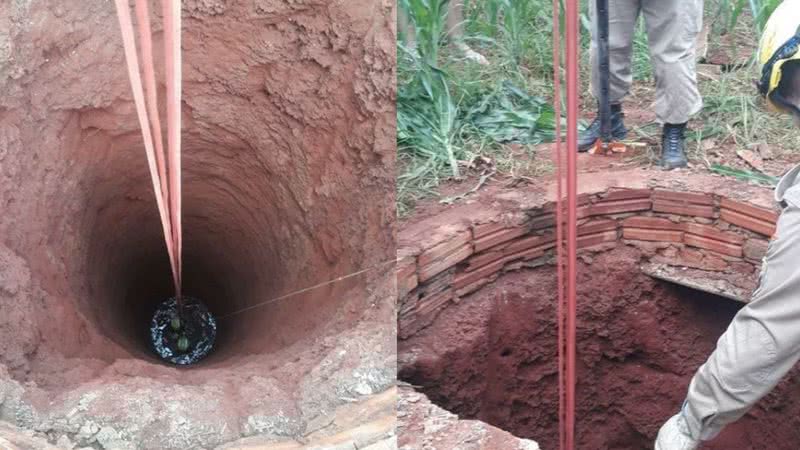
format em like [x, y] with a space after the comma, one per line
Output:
[674, 435]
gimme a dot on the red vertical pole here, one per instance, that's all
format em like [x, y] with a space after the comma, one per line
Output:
[572, 207]
[559, 215]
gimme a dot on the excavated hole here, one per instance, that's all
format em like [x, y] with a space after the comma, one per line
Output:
[237, 256]
[230, 259]
[287, 165]
[129, 291]
[492, 357]
[130, 273]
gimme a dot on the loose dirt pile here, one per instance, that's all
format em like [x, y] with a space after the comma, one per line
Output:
[288, 164]
[493, 357]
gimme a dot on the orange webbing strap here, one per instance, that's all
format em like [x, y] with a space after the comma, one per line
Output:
[172, 54]
[146, 41]
[167, 195]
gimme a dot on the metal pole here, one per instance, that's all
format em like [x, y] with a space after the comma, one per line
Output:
[572, 207]
[603, 70]
[559, 215]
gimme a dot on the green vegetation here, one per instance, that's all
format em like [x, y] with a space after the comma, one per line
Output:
[457, 118]
[731, 11]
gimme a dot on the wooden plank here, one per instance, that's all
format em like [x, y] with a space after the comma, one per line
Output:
[675, 275]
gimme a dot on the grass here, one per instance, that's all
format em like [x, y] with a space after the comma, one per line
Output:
[734, 116]
[453, 112]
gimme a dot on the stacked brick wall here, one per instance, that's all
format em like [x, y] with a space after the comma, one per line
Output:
[697, 230]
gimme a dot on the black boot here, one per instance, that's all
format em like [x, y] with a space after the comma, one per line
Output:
[588, 137]
[673, 154]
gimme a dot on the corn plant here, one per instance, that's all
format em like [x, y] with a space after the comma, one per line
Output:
[448, 110]
[761, 10]
[730, 11]
[427, 116]
[508, 114]
[516, 24]
[429, 21]
[426, 113]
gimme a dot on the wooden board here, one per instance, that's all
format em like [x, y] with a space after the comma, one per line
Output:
[679, 275]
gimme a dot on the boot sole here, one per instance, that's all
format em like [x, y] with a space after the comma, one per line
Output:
[585, 148]
[670, 166]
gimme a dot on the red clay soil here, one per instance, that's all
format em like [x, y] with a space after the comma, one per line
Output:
[493, 357]
[288, 147]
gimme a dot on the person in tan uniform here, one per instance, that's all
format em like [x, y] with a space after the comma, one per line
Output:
[762, 343]
[672, 26]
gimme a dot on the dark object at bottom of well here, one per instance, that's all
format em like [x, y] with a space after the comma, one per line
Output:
[186, 340]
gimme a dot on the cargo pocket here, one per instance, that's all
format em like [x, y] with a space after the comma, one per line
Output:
[762, 275]
[747, 356]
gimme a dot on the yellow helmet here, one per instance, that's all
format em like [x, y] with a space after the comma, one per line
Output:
[780, 44]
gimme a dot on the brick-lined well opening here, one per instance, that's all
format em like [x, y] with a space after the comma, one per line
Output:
[492, 357]
[478, 319]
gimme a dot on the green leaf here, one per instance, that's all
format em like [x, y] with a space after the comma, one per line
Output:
[744, 174]
[508, 114]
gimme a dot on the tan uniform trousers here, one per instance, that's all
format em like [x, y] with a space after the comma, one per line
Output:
[672, 26]
[763, 340]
